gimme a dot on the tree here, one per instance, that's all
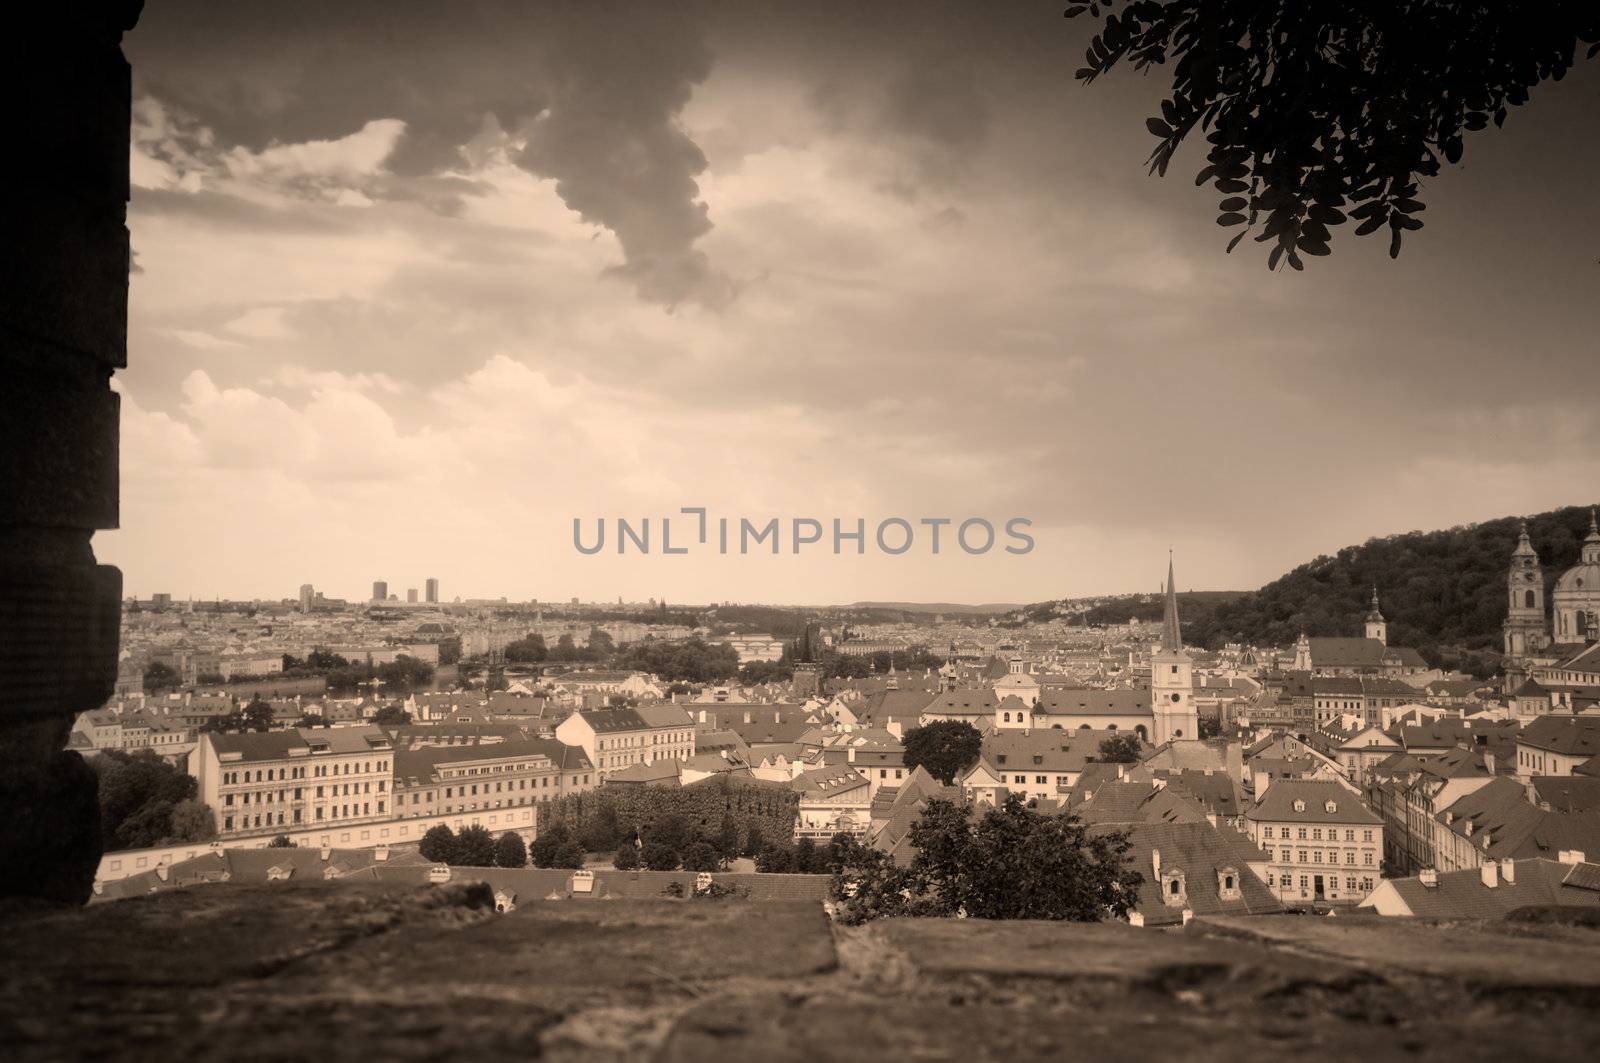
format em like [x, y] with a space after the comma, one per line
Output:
[1309, 107]
[945, 748]
[391, 716]
[283, 841]
[438, 845]
[191, 821]
[627, 858]
[550, 845]
[475, 847]
[450, 650]
[775, 859]
[701, 856]
[728, 838]
[1012, 862]
[753, 842]
[405, 674]
[313, 719]
[659, 856]
[510, 851]
[1210, 727]
[806, 860]
[139, 793]
[1120, 749]
[258, 715]
[159, 678]
[529, 650]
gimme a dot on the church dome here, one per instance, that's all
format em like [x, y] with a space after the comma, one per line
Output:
[1584, 576]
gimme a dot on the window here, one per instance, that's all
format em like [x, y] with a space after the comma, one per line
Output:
[1302, 834]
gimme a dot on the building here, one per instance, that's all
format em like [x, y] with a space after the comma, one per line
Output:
[432, 780]
[614, 738]
[833, 800]
[1574, 620]
[308, 595]
[1172, 678]
[269, 781]
[1030, 764]
[1324, 845]
[411, 595]
[1555, 745]
[431, 590]
[380, 591]
[1492, 890]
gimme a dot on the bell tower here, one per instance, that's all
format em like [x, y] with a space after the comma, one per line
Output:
[1172, 708]
[1377, 628]
[1524, 629]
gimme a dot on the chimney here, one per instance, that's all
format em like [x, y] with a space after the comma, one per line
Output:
[1188, 914]
[1570, 856]
[1428, 877]
[1490, 873]
[1155, 862]
[1508, 871]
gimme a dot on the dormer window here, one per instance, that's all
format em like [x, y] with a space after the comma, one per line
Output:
[1299, 806]
[1228, 883]
[1173, 892]
[1331, 806]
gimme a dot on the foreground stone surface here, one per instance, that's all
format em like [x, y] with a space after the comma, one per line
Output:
[344, 971]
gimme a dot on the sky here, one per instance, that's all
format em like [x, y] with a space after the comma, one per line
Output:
[417, 285]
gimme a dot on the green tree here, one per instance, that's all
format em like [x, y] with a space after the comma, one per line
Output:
[553, 844]
[1012, 862]
[438, 845]
[754, 843]
[728, 838]
[627, 858]
[1313, 106]
[281, 841]
[528, 650]
[945, 748]
[510, 851]
[1210, 727]
[776, 859]
[659, 856]
[1120, 749]
[192, 821]
[139, 793]
[806, 858]
[449, 650]
[701, 856]
[475, 847]
[258, 715]
[391, 716]
[158, 678]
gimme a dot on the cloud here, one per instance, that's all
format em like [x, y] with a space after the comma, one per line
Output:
[261, 323]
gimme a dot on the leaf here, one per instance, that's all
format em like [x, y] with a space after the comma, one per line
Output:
[1312, 247]
[1232, 186]
[1075, 10]
[1234, 203]
[1370, 209]
[1204, 175]
[1476, 120]
[1235, 241]
[1452, 149]
[1326, 215]
[1158, 127]
[1272, 259]
[1085, 73]
[1500, 118]
[1394, 243]
[1294, 260]
[1371, 225]
[1408, 206]
[1230, 219]
[1169, 112]
[1403, 222]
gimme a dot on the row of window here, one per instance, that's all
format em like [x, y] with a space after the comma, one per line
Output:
[319, 771]
[1364, 884]
[1316, 856]
[1316, 834]
[249, 822]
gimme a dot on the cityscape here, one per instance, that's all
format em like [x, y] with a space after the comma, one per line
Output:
[691, 532]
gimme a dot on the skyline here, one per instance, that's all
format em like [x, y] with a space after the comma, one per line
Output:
[383, 309]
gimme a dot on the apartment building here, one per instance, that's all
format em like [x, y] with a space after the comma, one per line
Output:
[266, 782]
[617, 738]
[1324, 846]
[436, 780]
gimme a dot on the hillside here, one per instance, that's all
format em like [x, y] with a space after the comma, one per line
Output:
[1442, 591]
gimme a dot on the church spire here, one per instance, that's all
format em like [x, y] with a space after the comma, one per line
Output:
[1374, 613]
[1171, 638]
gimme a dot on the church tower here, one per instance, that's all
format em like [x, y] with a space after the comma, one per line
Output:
[1172, 678]
[1376, 627]
[1524, 630]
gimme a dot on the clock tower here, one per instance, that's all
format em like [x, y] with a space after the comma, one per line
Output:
[1525, 630]
[1172, 708]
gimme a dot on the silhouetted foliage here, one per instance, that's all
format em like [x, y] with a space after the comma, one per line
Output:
[1313, 106]
[659, 856]
[281, 841]
[1010, 862]
[1120, 749]
[510, 850]
[438, 844]
[391, 716]
[693, 660]
[159, 678]
[627, 858]
[555, 846]
[475, 847]
[144, 801]
[944, 748]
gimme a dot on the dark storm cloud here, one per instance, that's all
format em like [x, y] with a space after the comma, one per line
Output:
[596, 100]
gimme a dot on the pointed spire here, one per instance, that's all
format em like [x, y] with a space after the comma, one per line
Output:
[1375, 613]
[1594, 528]
[1171, 638]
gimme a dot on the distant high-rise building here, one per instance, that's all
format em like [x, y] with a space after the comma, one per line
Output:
[308, 594]
[161, 599]
[411, 595]
[432, 589]
[380, 591]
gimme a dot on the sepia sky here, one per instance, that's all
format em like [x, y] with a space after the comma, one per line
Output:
[417, 284]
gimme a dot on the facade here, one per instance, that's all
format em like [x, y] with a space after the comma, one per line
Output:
[431, 590]
[1324, 846]
[1172, 708]
[1556, 745]
[380, 591]
[833, 800]
[618, 737]
[266, 782]
[445, 780]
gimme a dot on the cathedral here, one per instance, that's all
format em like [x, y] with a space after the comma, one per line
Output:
[1574, 618]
